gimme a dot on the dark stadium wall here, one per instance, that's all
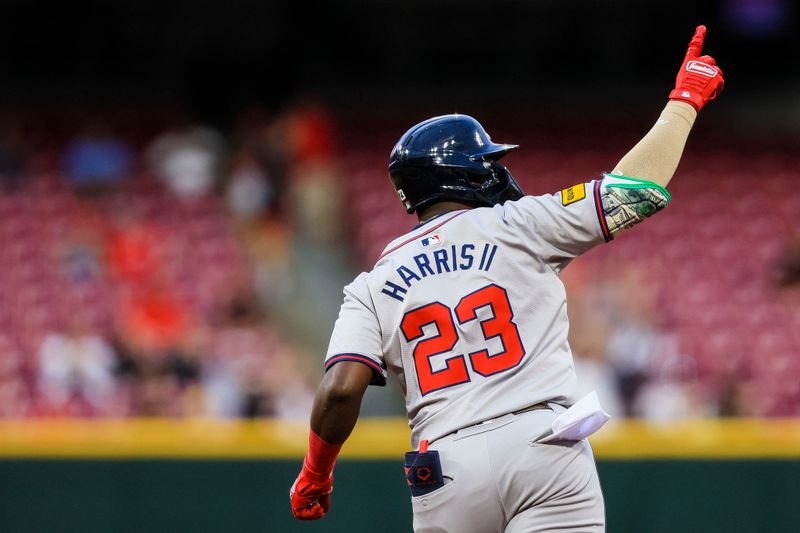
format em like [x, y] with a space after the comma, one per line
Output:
[216, 56]
[197, 476]
[133, 496]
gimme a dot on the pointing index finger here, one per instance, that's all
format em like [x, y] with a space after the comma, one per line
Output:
[696, 44]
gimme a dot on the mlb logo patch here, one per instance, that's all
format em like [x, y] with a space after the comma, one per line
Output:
[431, 239]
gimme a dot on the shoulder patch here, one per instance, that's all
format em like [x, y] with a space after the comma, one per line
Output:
[573, 194]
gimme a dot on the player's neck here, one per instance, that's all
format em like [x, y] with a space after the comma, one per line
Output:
[439, 208]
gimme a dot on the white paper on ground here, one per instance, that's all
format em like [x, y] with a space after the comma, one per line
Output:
[579, 421]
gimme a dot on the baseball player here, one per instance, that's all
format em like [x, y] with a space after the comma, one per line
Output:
[468, 311]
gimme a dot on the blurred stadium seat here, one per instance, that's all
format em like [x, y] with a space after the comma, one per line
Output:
[711, 258]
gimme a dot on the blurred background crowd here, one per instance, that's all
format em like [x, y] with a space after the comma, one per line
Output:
[162, 275]
[181, 206]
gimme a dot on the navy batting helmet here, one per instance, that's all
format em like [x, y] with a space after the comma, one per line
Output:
[450, 158]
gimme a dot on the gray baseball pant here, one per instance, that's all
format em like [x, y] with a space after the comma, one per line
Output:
[497, 479]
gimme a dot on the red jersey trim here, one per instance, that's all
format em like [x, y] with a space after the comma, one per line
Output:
[437, 226]
[601, 217]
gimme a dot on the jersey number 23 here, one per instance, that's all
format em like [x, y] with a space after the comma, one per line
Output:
[500, 325]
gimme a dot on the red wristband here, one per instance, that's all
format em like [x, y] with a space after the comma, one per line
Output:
[321, 456]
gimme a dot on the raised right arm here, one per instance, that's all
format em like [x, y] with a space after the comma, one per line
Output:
[657, 155]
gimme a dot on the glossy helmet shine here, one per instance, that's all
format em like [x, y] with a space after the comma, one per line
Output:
[450, 158]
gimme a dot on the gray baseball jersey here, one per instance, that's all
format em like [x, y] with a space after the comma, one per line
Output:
[468, 311]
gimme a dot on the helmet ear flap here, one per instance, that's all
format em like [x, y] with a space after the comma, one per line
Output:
[499, 187]
[511, 189]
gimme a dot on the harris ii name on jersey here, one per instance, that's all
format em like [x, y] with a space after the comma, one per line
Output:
[466, 256]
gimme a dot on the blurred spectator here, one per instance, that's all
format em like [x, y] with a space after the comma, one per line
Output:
[787, 268]
[315, 190]
[634, 340]
[249, 191]
[81, 253]
[595, 374]
[14, 398]
[96, 160]
[254, 194]
[654, 379]
[670, 390]
[154, 391]
[316, 204]
[268, 244]
[153, 318]
[187, 161]
[240, 351]
[730, 402]
[287, 380]
[133, 250]
[251, 372]
[161, 383]
[632, 348]
[257, 179]
[311, 135]
[254, 383]
[76, 370]
[81, 260]
[588, 337]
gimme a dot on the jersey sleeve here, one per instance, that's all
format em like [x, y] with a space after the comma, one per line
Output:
[357, 334]
[559, 227]
[569, 223]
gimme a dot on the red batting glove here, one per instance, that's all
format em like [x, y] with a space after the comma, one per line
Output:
[311, 494]
[700, 79]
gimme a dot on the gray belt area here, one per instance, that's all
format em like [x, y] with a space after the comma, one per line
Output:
[534, 407]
